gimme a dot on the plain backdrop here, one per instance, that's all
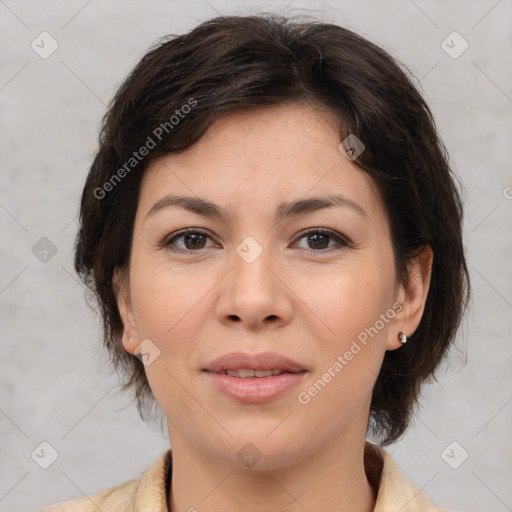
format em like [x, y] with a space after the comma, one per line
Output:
[56, 385]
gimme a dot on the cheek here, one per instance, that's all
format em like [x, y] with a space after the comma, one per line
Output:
[169, 311]
[171, 308]
[166, 302]
[350, 316]
[345, 301]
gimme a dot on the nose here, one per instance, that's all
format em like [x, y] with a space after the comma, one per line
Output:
[253, 293]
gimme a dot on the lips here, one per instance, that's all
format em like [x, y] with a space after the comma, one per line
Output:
[255, 378]
[247, 373]
[244, 363]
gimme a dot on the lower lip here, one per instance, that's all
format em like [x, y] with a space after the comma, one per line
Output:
[255, 390]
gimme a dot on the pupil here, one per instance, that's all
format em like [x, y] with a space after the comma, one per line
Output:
[195, 239]
[316, 240]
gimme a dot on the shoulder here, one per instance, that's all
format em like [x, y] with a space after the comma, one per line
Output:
[149, 492]
[394, 492]
[113, 499]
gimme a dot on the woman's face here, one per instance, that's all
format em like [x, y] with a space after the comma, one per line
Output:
[249, 279]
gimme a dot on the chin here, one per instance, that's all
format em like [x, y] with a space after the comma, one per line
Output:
[259, 453]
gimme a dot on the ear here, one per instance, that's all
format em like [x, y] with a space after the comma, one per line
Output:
[412, 296]
[122, 290]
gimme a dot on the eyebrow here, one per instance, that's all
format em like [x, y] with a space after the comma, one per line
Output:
[288, 209]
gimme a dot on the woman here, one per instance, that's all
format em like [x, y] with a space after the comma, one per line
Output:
[273, 235]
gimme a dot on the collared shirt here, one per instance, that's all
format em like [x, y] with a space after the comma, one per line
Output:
[149, 492]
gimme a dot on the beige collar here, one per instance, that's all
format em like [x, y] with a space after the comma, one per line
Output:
[395, 494]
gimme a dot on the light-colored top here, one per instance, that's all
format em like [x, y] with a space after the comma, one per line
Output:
[149, 492]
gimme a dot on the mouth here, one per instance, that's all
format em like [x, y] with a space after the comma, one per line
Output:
[247, 373]
[254, 378]
[252, 365]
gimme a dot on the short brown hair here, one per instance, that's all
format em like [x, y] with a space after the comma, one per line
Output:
[232, 63]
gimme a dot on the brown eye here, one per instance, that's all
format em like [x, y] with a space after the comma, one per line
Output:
[191, 240]
[319, 239]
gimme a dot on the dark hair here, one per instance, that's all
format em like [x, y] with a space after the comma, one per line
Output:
[232, 63]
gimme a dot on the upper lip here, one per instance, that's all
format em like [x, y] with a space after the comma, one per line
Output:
[263, 361]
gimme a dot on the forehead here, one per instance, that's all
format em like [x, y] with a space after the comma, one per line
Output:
[262, 158]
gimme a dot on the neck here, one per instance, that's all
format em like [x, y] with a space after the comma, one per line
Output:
[329, 480]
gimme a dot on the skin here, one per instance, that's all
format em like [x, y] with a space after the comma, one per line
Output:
[299, 298]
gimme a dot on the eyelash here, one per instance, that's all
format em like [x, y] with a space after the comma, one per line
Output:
[340, 240]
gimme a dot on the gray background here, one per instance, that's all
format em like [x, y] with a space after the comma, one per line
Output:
[56, 383]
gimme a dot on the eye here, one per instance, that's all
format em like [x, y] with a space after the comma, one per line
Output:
[320, 238]
[195, 239]
[191, 239]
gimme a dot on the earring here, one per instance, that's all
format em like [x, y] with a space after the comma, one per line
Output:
[402, 337]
